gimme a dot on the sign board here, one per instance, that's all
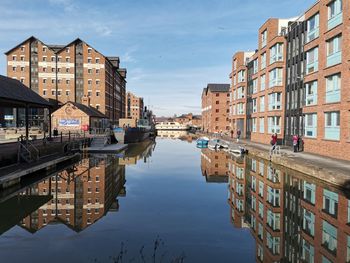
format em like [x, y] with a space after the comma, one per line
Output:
[8, 117]
[69, 122]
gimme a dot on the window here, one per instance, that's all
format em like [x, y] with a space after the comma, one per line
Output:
[262, 104]
[334, 51]
[262, 82]
[311, 125]
[335, 14]
[67, 49]
[263, 61]
[273, 196]
[274, 124]
[275, 77]
[261, 166]
[275, 101]
[255, 86]
[44, 92]
[44, 69]
[22, 69]
[261, 210]
[97, 71]
[97, 82]
[262, 125]
[67, 70]
[332, 125]
[44, 49]
[273, 243]
[308, 253]
[67, 81]
[241, 76]
[330, 202]
[273, 220]
[67, 59]
[67, 92]
[240, 108]
[97, 60]
[276, 53]
[22, 58]
[97, 93]
[313, 27]
[253, 124]
[329, 237]
[22, 48]
[311, 93]
[273, 175]
[260, 231]
[89, 50]
[312, 60]
[44, 81]
[14, 69]
[53, 59]
[263, 38]
[253, 203]
[255, 66]
[97, 106]
[309, 192]
[53, 92]
[255, 105]
[261, 189]
[253, 186]
[89, 70]
[309, 222]
[333, 84]
[53, 81]
[89, 60]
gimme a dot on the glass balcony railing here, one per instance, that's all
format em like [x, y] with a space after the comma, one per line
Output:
[311, 67]
[334, 59]
[332, 133]
[312, 34]
[333, 96]
[335, 20]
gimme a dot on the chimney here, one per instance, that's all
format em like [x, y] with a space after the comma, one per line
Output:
[85, 100]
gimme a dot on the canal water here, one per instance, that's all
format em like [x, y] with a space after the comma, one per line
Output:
[168, 201]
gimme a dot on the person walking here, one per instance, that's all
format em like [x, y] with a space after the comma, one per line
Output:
[273, 143]
[295, 143]
[238, 135]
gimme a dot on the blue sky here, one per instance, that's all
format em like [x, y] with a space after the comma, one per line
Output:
[171, 49]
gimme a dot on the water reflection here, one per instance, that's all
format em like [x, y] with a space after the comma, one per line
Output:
[77, 196]
[292, 217]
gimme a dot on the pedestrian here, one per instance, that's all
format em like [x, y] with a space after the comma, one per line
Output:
[231, 133]
[295, 143]
[238, 135]
[273, 143]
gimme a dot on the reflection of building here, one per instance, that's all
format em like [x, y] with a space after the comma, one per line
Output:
[80, 195]
[134, 106]
[292, 217]
[136, 152]
[215, 99]
[214, 166]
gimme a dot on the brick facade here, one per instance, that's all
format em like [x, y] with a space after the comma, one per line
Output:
[134, 106]
[68, 72]
[215, 107]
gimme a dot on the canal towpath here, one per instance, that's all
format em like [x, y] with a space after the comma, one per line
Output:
[328, 169]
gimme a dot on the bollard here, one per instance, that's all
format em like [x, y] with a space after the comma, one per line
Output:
[69, 136]
[61, 138]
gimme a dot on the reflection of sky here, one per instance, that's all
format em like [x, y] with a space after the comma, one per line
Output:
[167, 196]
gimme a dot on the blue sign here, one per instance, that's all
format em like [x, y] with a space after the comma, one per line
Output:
[69, 122]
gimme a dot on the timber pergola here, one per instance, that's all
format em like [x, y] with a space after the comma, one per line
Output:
[14, 94]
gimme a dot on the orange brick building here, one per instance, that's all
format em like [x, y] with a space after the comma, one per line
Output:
[327, 104]
[68, 72]
[238, 92]
[215, 108]
[214, 166]
[134, 106]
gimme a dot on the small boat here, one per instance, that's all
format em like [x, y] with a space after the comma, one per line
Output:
[240, 151]
[214, 144]
[202, 142]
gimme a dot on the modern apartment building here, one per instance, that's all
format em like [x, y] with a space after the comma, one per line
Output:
[134, 106]
[327, 104]
[266, 91]
[68, 72]
[294, 89]
[215, 107]
[238, 92]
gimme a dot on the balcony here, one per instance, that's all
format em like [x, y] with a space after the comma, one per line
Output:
[312, 67]
[312, 34]
[333, 96]
[335, 20]
[334, 59]
[332, 133]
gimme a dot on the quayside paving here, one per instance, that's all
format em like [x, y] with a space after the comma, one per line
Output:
[331, 170]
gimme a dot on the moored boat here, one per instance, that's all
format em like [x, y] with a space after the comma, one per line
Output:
[202, 142]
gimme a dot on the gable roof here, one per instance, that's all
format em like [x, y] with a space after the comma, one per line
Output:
[212, 87]
[89, 110]
[13, 92]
